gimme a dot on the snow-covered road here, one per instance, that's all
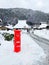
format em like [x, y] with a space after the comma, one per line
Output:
[43, 43]
[31, 53]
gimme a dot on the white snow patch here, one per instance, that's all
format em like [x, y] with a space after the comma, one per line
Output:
[5, 31]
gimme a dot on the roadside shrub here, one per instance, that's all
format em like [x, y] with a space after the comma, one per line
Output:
[8, 36]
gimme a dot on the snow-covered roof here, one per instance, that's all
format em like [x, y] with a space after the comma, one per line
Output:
[9, 26]
[42, 25]
[21, 24]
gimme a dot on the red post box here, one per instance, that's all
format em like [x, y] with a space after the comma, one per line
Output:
[17, 40]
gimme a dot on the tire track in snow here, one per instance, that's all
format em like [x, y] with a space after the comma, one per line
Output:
[43, 40]
[44, 43]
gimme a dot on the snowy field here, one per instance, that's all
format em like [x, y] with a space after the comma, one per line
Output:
[30, 53]
[42, 33]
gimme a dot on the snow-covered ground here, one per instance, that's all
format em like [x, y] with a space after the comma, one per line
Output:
[30, 53]
[5, 31]
[42, 33]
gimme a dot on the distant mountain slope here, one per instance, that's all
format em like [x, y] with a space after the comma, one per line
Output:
[9, 15]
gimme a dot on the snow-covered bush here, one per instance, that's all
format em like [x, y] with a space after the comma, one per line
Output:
[8, 36]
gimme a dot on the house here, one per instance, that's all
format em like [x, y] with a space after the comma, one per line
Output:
[22, 25]
[4, 28]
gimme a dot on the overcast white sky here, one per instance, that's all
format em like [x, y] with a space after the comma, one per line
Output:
[42, 5]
